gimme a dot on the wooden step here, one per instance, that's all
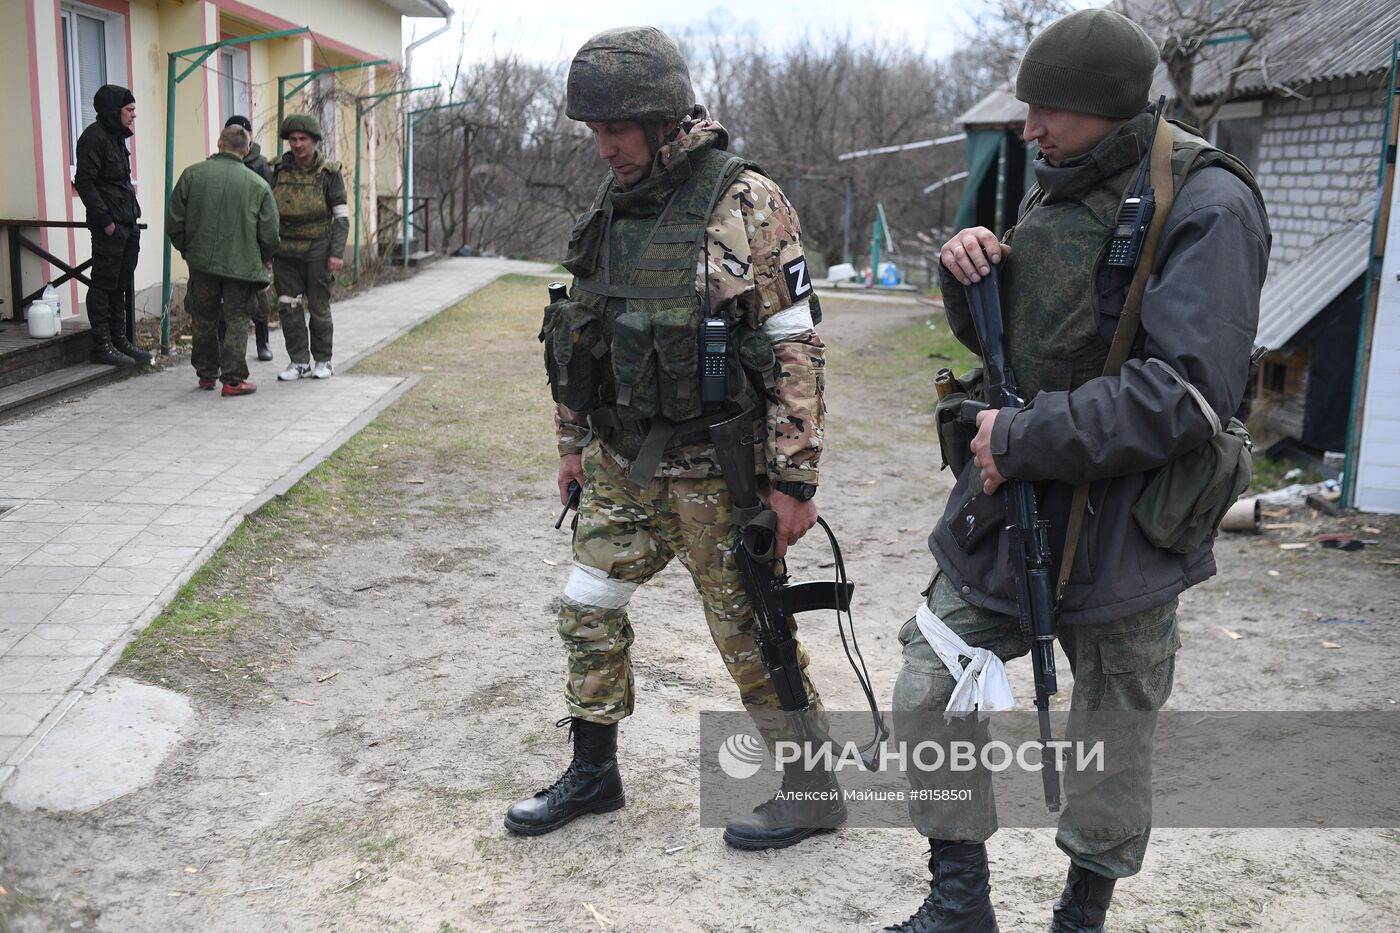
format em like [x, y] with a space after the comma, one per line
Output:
[47, 388]
[23, 358]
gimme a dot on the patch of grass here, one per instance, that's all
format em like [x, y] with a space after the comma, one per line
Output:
[379, 848]
[481, 409]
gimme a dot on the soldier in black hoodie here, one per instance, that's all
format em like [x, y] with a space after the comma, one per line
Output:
[103, 181]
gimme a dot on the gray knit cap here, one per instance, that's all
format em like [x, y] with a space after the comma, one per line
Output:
[1092, 61]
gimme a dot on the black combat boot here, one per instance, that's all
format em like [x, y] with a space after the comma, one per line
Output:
[103, 352]
[1084, 902]
[591, 783]
[808, 802]
[125, 347]
[261, 332]
[959, 898]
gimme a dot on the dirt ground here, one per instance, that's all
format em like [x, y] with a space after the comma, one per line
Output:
[372, 799]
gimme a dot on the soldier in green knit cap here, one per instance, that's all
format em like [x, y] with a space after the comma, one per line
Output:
[1086, 80]
[310, 193]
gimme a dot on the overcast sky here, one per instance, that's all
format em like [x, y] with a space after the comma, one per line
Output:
[551, 30]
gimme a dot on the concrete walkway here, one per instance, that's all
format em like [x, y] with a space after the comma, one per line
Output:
[109, 503]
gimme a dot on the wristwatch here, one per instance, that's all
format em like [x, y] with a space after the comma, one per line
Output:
[802, 492]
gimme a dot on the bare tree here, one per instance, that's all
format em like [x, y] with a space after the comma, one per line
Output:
[1211, 45]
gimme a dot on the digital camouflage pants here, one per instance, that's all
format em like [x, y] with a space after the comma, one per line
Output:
[303, 285]
[210, 299]
[1122, 666]
[624, 537]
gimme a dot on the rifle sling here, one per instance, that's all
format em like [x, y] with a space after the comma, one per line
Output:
[1128, 322]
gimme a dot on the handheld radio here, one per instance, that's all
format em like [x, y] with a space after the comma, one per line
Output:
[714, 359]
[714, 345]
[1135, 213]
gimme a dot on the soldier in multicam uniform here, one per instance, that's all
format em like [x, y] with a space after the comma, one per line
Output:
[680, 229]
[310, 195]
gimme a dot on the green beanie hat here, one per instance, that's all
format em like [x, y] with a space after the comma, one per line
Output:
[1092, 61]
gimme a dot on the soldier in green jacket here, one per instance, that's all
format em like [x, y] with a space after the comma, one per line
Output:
[223, 220]
[262, 305]
[1085, 80]
[310, 194]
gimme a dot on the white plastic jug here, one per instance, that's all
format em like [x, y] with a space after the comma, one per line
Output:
[52, 299]
[44, 321]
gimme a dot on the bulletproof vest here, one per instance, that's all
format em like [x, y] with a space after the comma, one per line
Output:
[301, 199]
[1052, 281]
[626, 348]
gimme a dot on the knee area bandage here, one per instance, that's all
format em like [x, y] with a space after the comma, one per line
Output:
[589, 586]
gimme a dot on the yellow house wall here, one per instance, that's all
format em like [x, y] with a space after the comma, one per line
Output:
[156, 27]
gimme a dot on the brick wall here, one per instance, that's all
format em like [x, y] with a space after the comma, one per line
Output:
[1318, 158]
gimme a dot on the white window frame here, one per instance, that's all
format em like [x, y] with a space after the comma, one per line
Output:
[114, 41]
[234, 67]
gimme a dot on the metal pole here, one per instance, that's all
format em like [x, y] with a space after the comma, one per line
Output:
[281, 112]
[466, 179]
[362, 111]
[169, 187]
[848, 220]
[407, 178]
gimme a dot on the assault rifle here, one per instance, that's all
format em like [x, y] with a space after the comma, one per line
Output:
[1031, 559]
[774, 599]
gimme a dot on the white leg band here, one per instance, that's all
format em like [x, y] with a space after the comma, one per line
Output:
[589, 586]
[789, 322]
[982, 685]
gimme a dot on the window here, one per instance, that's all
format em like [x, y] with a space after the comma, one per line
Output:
[1238, 128]
[85, 69]
[234, 96]
[323, 106]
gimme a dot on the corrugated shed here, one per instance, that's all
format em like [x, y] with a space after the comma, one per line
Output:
[1294, 294]
[1321, 40]
[999, 108]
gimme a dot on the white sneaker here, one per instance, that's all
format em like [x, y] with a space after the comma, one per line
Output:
[322, 370]
[294, 372]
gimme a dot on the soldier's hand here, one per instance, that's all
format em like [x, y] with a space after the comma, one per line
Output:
[335, 264]
[971, 253]
[982, 452]
[110, 229]
[570, 470]
[795, 519]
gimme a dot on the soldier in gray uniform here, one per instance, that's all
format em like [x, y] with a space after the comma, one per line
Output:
[1086, 79]
[310, 194]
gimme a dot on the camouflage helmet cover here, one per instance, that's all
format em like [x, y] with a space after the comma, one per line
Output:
[301, 123]
[631, 73]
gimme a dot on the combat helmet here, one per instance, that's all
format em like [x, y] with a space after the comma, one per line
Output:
[631, 73]
[301, 123]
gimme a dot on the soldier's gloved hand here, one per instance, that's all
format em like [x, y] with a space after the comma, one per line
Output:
[971, 253]
[570, 470]
[795, 519]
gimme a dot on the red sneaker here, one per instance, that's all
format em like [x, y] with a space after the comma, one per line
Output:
[239, 388]
[208, 384]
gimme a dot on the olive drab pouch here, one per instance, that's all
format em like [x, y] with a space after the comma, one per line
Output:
[634, 365]
[1182, 504]
[573, 350]
[585, 241]
[954, 435]
[675, 333]
[757, 375]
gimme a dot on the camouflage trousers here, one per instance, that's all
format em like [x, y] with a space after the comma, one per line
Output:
[211, 299]
[1126, 665]
[624, 537]
[303, 286]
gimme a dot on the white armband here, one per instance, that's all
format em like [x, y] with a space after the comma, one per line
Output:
[341, 210]
[789, 322]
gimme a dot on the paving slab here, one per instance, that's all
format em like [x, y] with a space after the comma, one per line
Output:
[111, 501]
